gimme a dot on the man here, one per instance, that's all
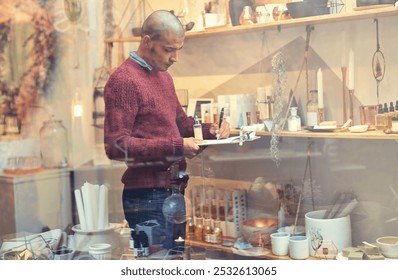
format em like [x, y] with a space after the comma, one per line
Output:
[146, 126]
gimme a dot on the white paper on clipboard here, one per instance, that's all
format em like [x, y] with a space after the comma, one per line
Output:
[230, 140]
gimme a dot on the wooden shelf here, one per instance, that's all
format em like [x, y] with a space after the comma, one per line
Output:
[279, 25]
[230, 250]
[375, 135]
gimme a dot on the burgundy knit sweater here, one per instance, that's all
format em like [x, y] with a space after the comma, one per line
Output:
[144, 124]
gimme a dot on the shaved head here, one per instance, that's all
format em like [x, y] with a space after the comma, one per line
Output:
[157, 23]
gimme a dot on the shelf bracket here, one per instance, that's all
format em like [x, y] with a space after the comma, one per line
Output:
[279, 28]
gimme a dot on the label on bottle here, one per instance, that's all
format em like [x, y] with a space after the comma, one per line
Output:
[312, 118]
[197, 131]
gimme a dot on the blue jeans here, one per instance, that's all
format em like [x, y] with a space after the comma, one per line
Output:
[141, 205]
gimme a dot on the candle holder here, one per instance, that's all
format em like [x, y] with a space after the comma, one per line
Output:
[344, 76]
[321, 115]
[351, 93]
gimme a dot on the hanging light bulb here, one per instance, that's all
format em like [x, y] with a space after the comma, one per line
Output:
[77, 105]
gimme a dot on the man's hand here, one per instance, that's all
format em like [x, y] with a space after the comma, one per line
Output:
[222, 132]
[191, 149]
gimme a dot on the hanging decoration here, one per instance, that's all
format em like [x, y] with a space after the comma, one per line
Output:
[378, 62]
[279, 68]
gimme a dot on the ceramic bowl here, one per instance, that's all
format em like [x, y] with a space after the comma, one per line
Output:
[358, 128]
[259, 227]
[388, 246]
[300, 230]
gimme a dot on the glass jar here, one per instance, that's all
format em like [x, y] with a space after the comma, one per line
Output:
[247, 16]
[54, 144]
[294, 121]
[312, 108]
[381, 121]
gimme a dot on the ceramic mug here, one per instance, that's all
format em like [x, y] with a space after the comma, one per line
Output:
[63, 254]
[280, 243]
[298, 247]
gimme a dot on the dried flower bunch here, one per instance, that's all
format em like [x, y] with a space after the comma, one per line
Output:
[35, 79]
[17, 100]
[4, 97]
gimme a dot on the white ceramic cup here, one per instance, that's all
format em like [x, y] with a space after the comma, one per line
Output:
[298, 247]
[100, 251]
[280, 243]
[63, 254]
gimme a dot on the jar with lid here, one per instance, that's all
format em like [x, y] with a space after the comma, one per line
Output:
[54, 144]
[312, 108]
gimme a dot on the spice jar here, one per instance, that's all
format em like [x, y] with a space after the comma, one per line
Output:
[54, 144]
[394, 124]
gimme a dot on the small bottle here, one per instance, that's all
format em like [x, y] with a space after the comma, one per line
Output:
[197, 129]
[312, 108]
[144, 243]
[199, 228]
[381, 119]
[394, 124]
[190, 228]
[217, 232]
[294, 121]
[131, 241]
[391, 114]
[396, 107]
[207, 231]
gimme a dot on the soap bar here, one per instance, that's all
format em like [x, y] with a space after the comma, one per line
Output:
[369, 250]
[355, 255]
[328, 123]
[348, 250]
[373, 257]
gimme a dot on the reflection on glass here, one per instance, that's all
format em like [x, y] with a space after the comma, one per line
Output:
[73, 9]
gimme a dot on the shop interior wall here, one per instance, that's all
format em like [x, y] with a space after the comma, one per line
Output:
[239, 63]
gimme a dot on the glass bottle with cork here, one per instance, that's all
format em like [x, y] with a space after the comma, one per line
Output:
[197, 129]
[312, 108]
[294, 121]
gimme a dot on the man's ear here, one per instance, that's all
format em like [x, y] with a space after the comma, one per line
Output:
[146, 41]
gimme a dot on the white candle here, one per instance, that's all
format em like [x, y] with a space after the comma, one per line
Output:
[351, 70]
[320, 88]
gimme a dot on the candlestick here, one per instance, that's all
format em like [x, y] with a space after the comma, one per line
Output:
[351, 70]
[321, 115]
[351, 93]
[179, 243]
[320, 88]
[344, 76]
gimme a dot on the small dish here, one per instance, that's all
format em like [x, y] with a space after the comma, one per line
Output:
[358, 128]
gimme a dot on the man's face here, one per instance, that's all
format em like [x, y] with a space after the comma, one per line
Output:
[164, 52]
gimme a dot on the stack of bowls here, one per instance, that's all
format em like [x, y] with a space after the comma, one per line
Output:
[308, 8]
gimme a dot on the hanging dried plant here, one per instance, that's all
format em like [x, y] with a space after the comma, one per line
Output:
[279, 68]
[35, 79]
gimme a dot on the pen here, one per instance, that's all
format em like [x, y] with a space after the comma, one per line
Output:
[220, 121]
[221, 117]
